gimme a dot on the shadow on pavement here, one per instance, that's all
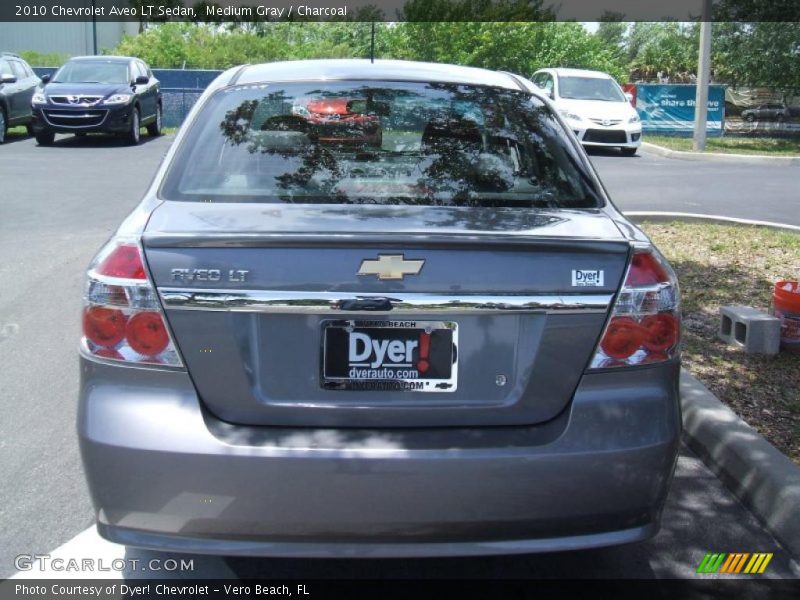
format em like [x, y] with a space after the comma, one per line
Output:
[89, 141]
[700, 516]
[95, 140]
[13, 136]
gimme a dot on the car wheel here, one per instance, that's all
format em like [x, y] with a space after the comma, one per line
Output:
[628, 151]
[3, 126]
[134, 135]
[750, 118]
[155, 128]
[45, 138]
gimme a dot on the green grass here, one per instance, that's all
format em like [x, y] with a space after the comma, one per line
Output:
[732, 145]
[723, 264]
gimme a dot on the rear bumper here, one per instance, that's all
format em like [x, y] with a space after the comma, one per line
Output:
[230, 547]
[164, 474]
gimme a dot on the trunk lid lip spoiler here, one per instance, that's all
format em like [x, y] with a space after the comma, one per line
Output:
[383, 239]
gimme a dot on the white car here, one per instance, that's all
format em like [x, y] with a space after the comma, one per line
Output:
[594, 107]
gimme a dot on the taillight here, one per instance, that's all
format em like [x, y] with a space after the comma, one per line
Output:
[645, 323]
[122, 318]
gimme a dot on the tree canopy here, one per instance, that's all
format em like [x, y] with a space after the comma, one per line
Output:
[743, 53]
[519, 47]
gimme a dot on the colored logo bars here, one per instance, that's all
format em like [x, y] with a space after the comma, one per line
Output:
[735, 563]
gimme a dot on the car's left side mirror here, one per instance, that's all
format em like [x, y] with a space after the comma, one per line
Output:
[142, 80]
[629, 96]
[7, 78]
[45, 78]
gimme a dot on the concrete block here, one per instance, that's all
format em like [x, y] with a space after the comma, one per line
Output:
[753, 330]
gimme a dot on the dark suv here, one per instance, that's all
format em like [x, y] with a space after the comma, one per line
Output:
[98, 94]
[17, 84]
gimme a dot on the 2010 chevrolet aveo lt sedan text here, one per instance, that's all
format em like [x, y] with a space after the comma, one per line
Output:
[377, 309]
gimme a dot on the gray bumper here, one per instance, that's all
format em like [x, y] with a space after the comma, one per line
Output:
[165, 474]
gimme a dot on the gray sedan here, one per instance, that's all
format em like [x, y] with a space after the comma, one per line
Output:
[377, 309]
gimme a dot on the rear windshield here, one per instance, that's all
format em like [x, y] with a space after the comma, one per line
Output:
[378, 143]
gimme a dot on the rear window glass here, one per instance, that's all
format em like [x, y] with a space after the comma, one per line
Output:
[378, 143]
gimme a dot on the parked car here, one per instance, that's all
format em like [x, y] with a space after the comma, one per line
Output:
[766, 112]
[595, 107]
[342, 120]
[98, 94]
[17, 84]
[451, 344]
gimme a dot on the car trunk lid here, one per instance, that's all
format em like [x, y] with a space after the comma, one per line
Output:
[271, 314]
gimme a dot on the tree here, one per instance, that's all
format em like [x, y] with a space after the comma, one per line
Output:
[611, 31]
[669, 48]
[517, 47]
[758, 54]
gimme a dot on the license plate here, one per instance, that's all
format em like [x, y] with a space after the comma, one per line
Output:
[413, 356]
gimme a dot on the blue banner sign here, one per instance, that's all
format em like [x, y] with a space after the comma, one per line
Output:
[670, 108]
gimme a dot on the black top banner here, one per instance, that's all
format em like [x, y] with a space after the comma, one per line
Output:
[397, 10]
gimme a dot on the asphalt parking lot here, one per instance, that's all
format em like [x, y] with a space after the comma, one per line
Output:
[646, 182]
[60, 203]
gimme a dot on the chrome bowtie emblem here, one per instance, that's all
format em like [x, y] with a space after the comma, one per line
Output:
[390, 266]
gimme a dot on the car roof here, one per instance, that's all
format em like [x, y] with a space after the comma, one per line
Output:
[563, 72]
[112, 59]
[386, 70]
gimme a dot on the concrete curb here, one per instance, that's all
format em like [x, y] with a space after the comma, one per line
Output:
[639, 216]
[764, 479]
[752, 159]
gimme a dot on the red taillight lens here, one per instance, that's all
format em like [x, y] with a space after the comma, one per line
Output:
[104, 326]
[124, 262]
[623, 337]
[122, 318]
[644, 327]
[661, 331]
[645, 269]
[147, 333]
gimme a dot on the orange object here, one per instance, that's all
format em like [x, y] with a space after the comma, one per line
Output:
[786, 303]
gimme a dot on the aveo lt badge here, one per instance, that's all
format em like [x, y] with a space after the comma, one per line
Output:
[390, 267]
